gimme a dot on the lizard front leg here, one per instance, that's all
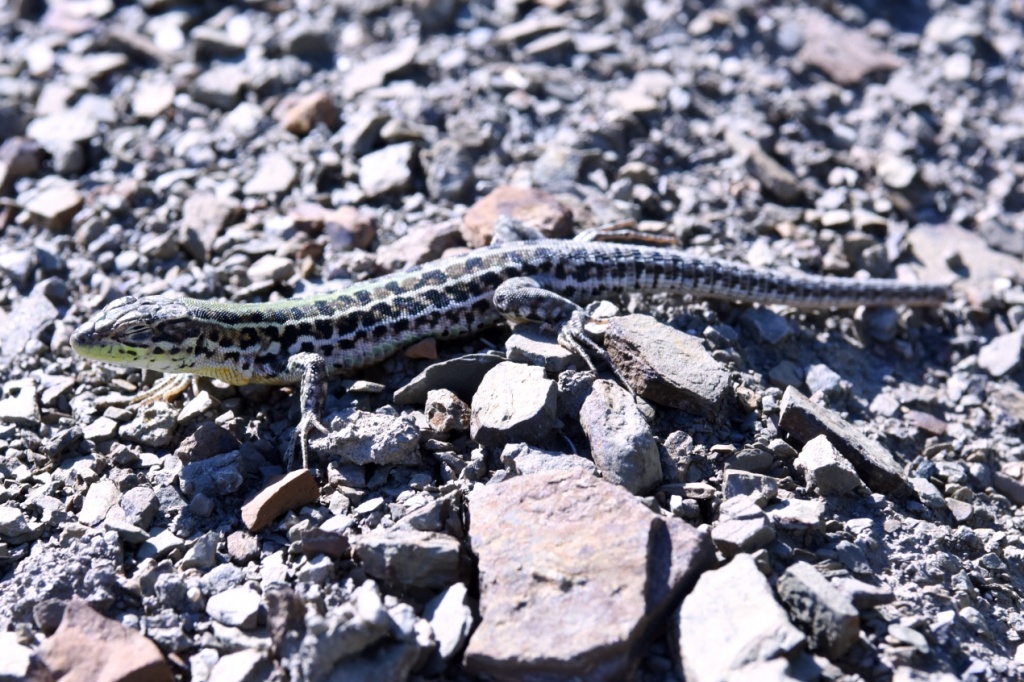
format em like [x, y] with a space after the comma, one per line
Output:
[312, 370]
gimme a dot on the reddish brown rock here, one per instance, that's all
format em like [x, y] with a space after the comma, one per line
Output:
[574, 573]
[534, 208]
[346, 226]
[299, 114]
[89, 647]
[291, 491]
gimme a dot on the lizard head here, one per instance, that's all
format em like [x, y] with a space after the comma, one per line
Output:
[154, 332]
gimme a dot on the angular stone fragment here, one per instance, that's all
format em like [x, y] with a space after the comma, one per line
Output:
[621, 442]
[804, 420]
[387, 170]
[407, 559]
[1001, 355]
[522, 459]
[742, 526]
[275, 174]
[667, 366]
[763, 489]
[462, 376]
[826, 613]
[291, 491]
[298, 115]
[825, 470]
[578, 557]
[358, 437]
[730, 621]
[204, 216]
[534, 208]
[20, 406]
[237, 607]
[514, 403]
[450, 618]
[55, 206]
[88, 646]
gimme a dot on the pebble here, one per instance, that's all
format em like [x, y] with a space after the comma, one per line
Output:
[358, 437]
[54, 207]
[846, 55]
[514, 403]
[523, 459]
[409, 559]
[731, 622]
[242, 666]
[20, 406]
[299, 115]
[237, 607]
[451, 619]
[742, 526]
[275, 174]
[387, 170]
[292, 491]
[1001, 355]
[825, 470]
[621, 442]
[832, 622]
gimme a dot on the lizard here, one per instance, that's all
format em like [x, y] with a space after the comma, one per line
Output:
[305, 341]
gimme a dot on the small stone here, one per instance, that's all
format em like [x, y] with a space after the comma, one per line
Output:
[1008, 482]
[731, 620]
[220, 87]
[247, 665]
[451, 619]
[55, 206]
[446, 412]
[160, 545]
[275, 174]
[798, 516]
[18, 266]
[449, 171]
[667, 366]
[140, 505]
[825, 470]
[291, 491]
[529, 344]
[88, 646]
[896, 171]
[421, 244]
[461, 375]
[804, 420]
[864, 595]
[621, 442]
[762, 489]
[1001, 355]
[152, 98]
[21, 406]
[825, 613]
[962, 511]
[101, 496]
[242, 547]
[13, 526]
[15, 658]
[514, 403]
[204, 217]
[202, 554]
[533, 208]
[524, 460]
[237, 607]
[300, 115]
[387, 170]
[407, 558]
[768, 326]
[358, 437]
[742, 526]
[374, 72]
[272, 268]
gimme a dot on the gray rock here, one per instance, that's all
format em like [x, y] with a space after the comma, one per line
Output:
[20, 406]
[213, 477]
[221, 578]
[825, 470]
[101, 496]
[768, 326]
[845, 55]
[14, 528]
[926, 491]
[387, 170]
[864, 595]
[275, 174]
[140, 505]
[742, 526]
[446, 411]
[15, 658]
[374, 72]
[1001, 355]
[55, 206]
[29, 319]
[451, 619]
[514, 403]
[237, 607]
[667, 366]
[409, 559]
[530, 345]
[247, 665]
[762, 489]
[358, 437]
[533, 583]
[204, 217]
[160, 545]
[203, 552]
[153, 427]
[822, 378]
[524, 460]
[449, 171]
[827, 615]
[804, 420]
[798, 516]
[730, 621]
[208, 440]
[18, 266]
[220, 86]
[343, 631]
[271, 268]
[621, 442]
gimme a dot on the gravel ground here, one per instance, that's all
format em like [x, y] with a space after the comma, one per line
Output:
[455, 527]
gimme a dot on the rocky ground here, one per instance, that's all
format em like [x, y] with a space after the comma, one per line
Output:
[837, 495]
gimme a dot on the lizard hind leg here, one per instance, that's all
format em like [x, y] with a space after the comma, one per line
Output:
[312, 370]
